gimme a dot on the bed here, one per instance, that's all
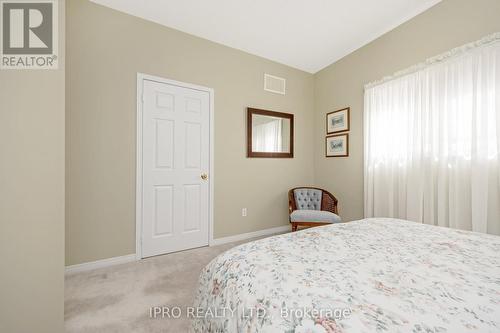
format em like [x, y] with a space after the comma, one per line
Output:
[372, 275]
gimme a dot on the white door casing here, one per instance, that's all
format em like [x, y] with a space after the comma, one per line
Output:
[174, 155]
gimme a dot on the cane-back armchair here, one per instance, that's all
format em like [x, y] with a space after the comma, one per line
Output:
[311, 206]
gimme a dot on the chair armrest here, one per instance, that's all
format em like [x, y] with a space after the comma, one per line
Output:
[291, 202]
[329, 203]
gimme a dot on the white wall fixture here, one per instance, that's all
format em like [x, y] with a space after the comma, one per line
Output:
[274, 84]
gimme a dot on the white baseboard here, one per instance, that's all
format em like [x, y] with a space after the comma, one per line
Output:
[253, 234]
[87, 266]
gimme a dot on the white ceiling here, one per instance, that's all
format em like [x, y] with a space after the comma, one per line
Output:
[305, 34]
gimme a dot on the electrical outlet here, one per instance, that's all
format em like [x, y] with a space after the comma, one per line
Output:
[244, 212]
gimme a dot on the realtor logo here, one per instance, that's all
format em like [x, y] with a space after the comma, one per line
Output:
[29, 34]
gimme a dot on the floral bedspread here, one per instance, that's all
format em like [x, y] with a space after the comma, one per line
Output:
[373, 275]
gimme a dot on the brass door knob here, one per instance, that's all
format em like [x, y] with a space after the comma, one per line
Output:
[204, 176]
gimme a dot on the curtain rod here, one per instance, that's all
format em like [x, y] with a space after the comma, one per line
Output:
[487, 40]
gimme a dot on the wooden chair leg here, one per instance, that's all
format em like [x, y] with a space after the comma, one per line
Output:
[294, 227]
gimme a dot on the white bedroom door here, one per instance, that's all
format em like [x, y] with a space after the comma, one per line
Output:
[175, 165]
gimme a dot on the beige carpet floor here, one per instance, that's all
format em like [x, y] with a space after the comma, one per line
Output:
[119, 298]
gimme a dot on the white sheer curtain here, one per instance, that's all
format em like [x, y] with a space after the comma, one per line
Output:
[432, 137]
[267, 137]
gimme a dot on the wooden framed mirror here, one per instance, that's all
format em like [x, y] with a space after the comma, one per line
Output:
[269, 134]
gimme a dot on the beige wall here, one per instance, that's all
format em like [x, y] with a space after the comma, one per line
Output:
[105, 50]
[449, 24]
[32, 197]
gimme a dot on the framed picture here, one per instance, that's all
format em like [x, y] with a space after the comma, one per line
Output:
[337, 121]
[337, 145]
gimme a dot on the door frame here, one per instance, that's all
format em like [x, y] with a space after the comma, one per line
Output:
[139, 182]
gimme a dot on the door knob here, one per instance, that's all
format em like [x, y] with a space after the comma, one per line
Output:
[204, 176]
